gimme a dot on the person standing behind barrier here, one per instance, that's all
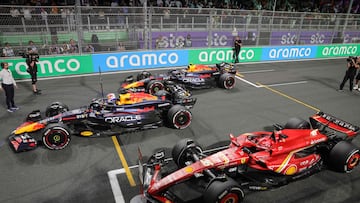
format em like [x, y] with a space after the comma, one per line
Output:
[32, 70]
[357, 78]
[237, 46]
[32, 49]
[7, 50]
[188, 42]
[352, 65]
[7, 84]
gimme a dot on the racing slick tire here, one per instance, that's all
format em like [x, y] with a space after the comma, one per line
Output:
[55, 108]
[143, 75]
[154, 86]
[223, 191]
[297, 123]
[183, 150]
[227, 81]
[344, 157]
[56, 136]
[179, 117]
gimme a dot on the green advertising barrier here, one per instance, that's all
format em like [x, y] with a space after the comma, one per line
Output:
[340, 50]
[217, 55]
[52, 66]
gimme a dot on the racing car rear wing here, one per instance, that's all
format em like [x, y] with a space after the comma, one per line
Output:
[323, 120]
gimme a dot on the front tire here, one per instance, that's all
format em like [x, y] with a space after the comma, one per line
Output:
[227, 191]
[344, 157]
[179, 117]
[181, 152]
[143, 75]
[56, 136]
[297, 123]
[56, 108]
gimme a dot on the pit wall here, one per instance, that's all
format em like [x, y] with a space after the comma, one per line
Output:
[53, 66]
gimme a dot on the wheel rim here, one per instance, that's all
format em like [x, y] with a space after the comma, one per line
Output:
[155, 88]
[229, 82]
[56, 139]
[353, 161]
[230, 198]
[182, 119]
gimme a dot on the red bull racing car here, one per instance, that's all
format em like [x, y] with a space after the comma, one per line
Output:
[203, 76]
[111, 116]
[252, 161]
[194, 77]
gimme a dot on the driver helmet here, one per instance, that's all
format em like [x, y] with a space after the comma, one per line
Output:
[144, 75]
[111, 98]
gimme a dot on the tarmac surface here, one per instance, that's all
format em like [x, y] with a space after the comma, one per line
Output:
[94, 169]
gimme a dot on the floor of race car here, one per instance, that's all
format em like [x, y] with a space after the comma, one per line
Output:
[105, 169]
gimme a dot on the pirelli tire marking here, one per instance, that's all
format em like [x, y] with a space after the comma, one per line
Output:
[182, 119]
[56, 138]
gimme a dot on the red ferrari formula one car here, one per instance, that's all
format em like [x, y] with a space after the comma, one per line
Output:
[252, 161]
[194, 77]
[103, 117]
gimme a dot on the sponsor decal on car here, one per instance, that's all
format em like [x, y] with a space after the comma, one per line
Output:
[318, 140]
[119, 119]
[188, 169]
[192, 80]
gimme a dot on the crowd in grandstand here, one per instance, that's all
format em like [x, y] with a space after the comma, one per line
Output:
[325, 6]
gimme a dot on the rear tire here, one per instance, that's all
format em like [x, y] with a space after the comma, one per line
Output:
[227, 191]
[297, 123]
[56, 108]
[227, 81]
[179, 117]
[154, 86]
[56, 136]
[344, 157]
[143, 75]
[182, 149]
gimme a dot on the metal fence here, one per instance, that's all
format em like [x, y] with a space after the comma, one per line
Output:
[103, 29]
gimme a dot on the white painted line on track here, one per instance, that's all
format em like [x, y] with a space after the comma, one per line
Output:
[256, 71]
[248, 82]
[271, 85]
[287, 83]
[115, 186]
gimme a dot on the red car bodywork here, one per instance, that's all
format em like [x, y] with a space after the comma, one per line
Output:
[280, 151]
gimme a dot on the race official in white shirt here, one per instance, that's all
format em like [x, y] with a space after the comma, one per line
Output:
[7, 84]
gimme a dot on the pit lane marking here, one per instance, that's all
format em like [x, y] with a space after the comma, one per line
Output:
[258, 71]
[123, 161]
[239, 77]
[287, 83]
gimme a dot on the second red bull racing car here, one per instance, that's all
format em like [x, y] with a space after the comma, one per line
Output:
[252, 161]
[194, 77]
[103, 117]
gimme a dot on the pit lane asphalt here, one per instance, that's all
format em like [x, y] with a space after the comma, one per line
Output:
[79, 173]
